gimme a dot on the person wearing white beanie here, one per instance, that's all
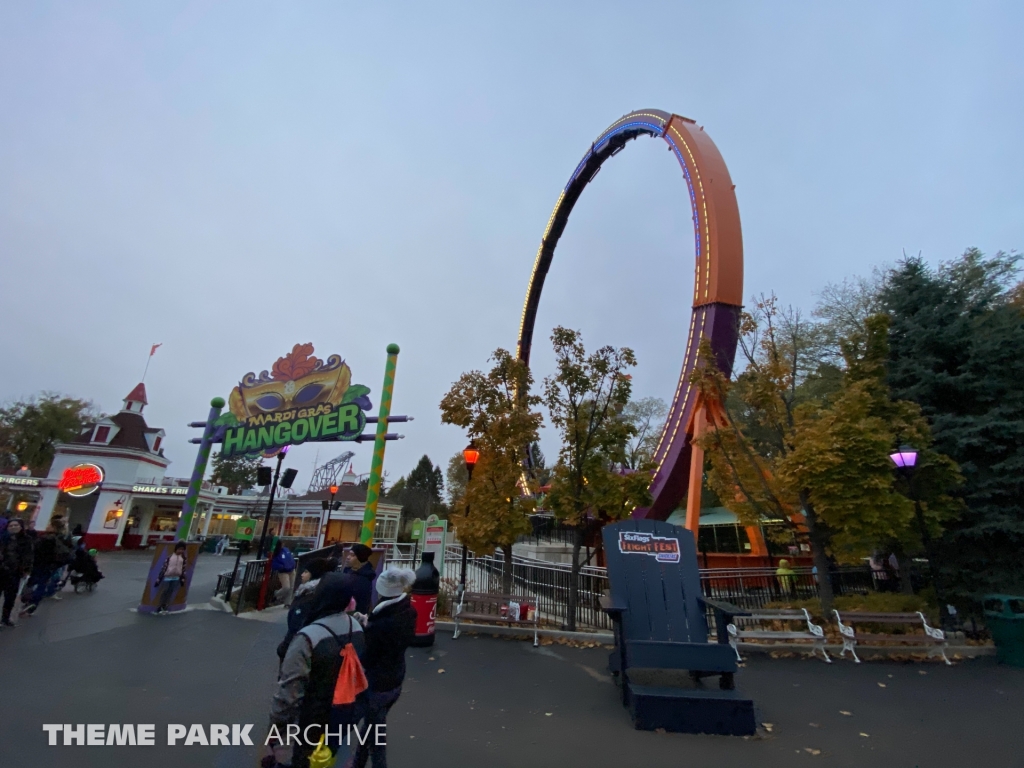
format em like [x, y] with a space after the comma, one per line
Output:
[390, 629]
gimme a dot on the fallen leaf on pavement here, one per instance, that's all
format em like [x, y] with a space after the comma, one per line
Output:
[844, 712]
[548, 714]
[768, 726]
[440, 671]
[812, 751]
[864, 734]
[814, 725]
[881, 685]
[921, 672]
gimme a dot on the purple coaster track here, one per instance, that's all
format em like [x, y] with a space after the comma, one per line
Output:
[718, 277]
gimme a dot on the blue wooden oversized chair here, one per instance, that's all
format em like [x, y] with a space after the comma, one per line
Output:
[658, 611]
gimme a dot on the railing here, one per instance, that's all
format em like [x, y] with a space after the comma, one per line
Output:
[546, 584]
[547, 530]
[756, 587]
[246, 587]
[252, 581]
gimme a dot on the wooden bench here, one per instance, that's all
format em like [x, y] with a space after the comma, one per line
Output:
[814, 633]
[935, 639]
[486, 608]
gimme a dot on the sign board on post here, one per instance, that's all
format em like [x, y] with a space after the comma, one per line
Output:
[245, 529]
[417, 529]
[435, 535]
[302, 399]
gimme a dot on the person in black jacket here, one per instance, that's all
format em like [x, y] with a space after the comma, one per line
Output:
[15, 564]
[302, 602]
[51, 554]
[389, 630]
[358, 565]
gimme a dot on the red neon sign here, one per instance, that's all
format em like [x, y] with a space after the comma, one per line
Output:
[82, 478]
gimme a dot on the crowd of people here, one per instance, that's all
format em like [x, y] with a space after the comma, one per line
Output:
[337, 638]
[342, 660]
[35, 566]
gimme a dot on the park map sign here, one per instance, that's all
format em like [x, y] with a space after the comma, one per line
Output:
[301, 399]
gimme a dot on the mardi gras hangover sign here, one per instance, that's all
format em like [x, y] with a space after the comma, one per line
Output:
[301, 399]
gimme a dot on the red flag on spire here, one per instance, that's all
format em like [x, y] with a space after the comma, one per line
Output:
[152, 350]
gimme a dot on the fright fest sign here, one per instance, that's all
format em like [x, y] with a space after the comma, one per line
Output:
[664, 549]
[300, 399]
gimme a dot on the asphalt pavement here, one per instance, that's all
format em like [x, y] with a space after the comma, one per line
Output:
[475, 701]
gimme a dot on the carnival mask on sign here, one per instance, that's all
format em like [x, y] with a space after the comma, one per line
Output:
[297, 380]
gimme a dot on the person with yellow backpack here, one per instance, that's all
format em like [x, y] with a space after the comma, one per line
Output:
[321, 683]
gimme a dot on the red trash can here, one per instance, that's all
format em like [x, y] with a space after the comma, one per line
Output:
[424, 600]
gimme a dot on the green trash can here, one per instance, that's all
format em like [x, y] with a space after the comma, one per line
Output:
[1004, 615]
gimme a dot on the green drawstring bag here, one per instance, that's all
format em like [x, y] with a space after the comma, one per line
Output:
[322, 756]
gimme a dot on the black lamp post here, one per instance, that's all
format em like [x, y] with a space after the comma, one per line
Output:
[471, 454]
[905, 459]
[328, 507]
[270, 502]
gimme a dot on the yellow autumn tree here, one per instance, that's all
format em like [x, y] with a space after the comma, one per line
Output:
[819, 455]
[496, 409]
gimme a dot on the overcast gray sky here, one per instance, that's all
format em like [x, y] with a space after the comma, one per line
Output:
[232, 178]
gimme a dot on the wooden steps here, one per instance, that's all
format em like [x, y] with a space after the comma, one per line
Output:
[690, 710]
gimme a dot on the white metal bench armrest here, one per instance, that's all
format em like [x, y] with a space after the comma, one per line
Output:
[938, 634]
[844, 629]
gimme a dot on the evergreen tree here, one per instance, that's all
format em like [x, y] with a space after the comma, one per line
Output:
[427, 479]
[957, 350]
[420, 491]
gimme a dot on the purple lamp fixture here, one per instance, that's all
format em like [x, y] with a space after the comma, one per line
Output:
[905, 458]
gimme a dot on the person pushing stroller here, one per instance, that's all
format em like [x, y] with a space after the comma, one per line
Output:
[84, 569]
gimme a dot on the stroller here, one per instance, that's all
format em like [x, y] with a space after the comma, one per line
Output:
[84, 572]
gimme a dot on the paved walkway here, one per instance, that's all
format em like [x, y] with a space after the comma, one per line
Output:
[497, 702]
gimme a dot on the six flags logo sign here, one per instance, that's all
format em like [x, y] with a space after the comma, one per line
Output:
[665, 549]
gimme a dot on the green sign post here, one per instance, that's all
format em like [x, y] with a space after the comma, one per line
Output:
[377, 464]
[417, 529]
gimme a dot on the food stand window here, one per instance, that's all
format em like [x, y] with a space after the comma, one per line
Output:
[728, 538]
[164, 521]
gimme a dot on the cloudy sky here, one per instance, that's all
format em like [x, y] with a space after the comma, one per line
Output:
[232, 178]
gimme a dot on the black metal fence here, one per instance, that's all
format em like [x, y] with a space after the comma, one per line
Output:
[248, 580]
[546, 585]
[548, 530]
[757, 587]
